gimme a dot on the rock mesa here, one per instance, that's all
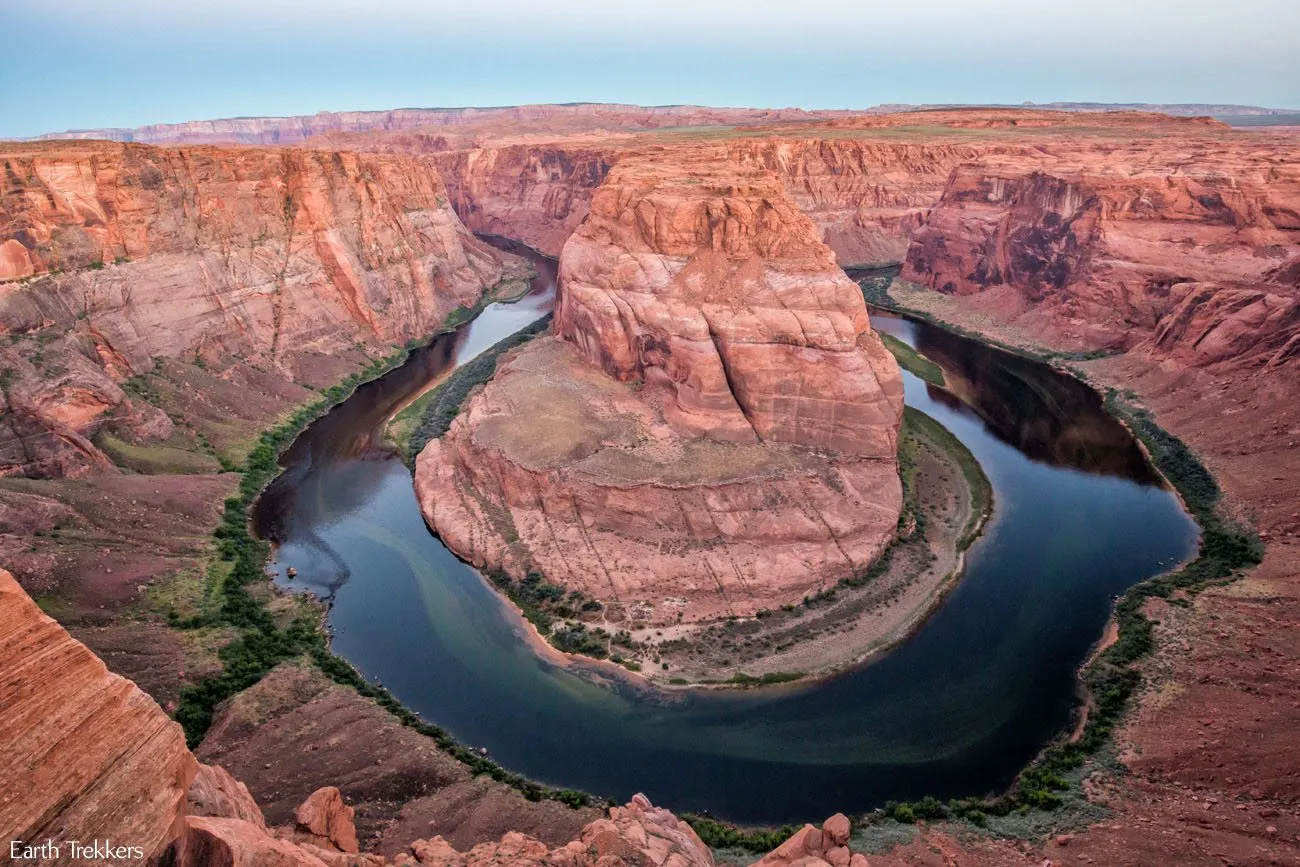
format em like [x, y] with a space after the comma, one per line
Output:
[711, 431]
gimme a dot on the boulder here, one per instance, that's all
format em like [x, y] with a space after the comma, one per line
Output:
[325, 817]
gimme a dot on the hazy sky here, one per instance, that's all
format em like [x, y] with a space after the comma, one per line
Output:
[92, 63]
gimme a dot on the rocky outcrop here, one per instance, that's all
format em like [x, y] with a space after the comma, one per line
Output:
[84, 754]
[215, 792]
[707, 280]
[713, 433]
[327, 820]
[636, 835]
[216, 842]
[118, 255]
[1215, 324]
[813, 847]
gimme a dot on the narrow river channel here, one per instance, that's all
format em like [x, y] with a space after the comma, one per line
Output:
[955, 710]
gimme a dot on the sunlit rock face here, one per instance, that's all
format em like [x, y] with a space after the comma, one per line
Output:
[1110, 247]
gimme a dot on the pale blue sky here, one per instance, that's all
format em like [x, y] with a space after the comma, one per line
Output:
[92, 63]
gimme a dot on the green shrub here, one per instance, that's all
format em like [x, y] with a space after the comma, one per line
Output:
[720, 835]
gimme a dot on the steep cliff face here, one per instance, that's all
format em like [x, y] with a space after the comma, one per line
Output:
[867, 197]
[714, 431]
[117, 255]
[537, 194]
[84, 754]
[708, 279]
[1122, 249]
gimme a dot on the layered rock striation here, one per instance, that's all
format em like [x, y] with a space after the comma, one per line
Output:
[84, 754]
[867, 197]
[713, 429]
[536, 194]
[115, 256]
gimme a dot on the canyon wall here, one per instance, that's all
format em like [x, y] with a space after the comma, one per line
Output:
[712, 431]
[1202, 259]
[537, 194]
[867, 197]
[115, 256]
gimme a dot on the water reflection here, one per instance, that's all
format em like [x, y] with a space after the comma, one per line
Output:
[1049, 416]
[955, 710]
[341, 443]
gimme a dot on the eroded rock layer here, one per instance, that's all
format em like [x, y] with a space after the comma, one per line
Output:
[118, 255]
[712, 432]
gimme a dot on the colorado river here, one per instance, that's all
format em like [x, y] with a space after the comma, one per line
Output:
[957, 709]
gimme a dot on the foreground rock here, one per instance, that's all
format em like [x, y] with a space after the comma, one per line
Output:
[327, 821]
[637, 834]
[813, 847]
[84, 754]
[713, 431]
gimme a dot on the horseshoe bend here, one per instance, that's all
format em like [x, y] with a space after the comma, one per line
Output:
[933, 471]
[713, 429]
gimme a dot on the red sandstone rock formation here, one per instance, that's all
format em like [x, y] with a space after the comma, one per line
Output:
[327, 820]
[1114, 250]
[715, 434]
[536, 194]
[866, 197]
[708, 280]
[637, 834]
[214, 792]
[84, 754]
[811, 847]
[218, 842]
[123, 253]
